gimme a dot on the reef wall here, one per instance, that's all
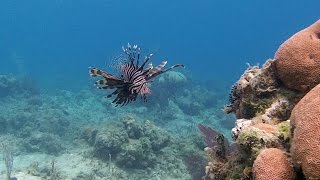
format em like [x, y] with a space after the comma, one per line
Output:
[276, 134]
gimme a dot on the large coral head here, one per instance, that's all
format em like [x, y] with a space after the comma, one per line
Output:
[298, 59]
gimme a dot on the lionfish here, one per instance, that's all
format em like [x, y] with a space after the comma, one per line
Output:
[134, 78]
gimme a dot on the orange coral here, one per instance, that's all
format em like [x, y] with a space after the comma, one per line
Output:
[272, 164]
[305, 123]
[298, 59]
[268, 128]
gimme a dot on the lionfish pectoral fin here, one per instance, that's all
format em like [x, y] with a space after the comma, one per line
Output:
[144, 98]
[105, 87]
[97, 72]
[110, 81]
[174, 66]
[102, 82]
[94, 71]
[178, 65]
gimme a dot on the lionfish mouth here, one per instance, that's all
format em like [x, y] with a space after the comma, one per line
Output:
[134, 78]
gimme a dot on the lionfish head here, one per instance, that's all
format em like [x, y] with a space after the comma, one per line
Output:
[134, 77]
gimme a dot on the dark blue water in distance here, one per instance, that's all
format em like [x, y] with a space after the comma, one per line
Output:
[55, 41]
[55, 124]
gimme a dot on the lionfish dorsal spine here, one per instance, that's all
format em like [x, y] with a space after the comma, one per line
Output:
[146, 59]
[149, 66]
[153, 75]
[134, 78]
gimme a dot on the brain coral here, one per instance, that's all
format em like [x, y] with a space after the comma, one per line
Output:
[173, 77]
[272, 164]
[298, 59]
[305, 124]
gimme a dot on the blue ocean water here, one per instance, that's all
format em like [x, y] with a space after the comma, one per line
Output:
[50, 111]
[55, 41]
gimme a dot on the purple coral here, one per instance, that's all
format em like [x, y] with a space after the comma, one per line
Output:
[209, 135]
[215, 140]
[195, 164]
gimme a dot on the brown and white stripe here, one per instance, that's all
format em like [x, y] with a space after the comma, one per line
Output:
[134, 79]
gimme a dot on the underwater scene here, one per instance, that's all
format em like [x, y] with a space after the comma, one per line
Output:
[159, 90]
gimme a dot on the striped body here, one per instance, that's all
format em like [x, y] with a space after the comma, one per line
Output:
[134, 78]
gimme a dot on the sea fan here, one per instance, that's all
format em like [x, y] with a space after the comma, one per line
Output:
[134, 78]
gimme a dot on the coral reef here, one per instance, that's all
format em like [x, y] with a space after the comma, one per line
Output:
[277, 126]
[108, 142]
[137, 146]
[219, 153]
[173, 79]
[305, 123]
[11, 85]
[195, 163]
[43, 127]
[278, 110]
[200, 99]
[257, 90]
[266, 108]
[265, 126]
[3, 125]
[241, 124]
[191, 98]
[132, 144]
[257, 137]
[44, 142]
[272, 163]
[8, 84]
[167, 87]
[298, 59]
